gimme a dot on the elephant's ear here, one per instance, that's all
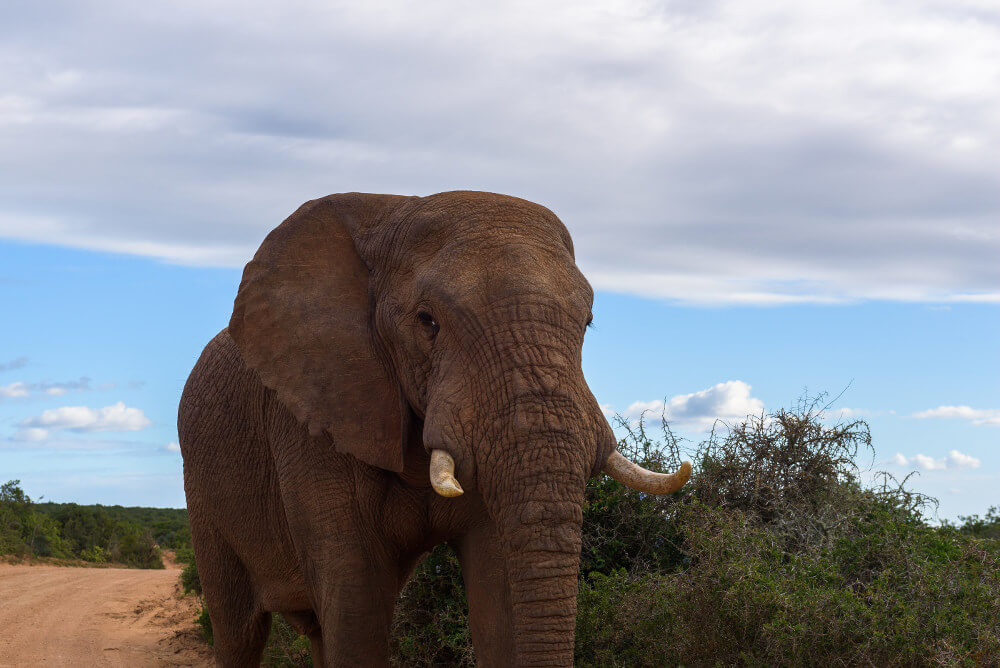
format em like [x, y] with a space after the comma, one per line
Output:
[302, 320]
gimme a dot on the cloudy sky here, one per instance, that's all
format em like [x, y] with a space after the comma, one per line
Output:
[770, 198]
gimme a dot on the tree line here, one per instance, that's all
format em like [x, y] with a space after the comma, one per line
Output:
[94, 533]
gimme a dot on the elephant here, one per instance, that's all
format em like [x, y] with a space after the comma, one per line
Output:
[399, 372]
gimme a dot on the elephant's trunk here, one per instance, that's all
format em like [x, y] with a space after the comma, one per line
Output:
[542, 566]
[535, 439]
[541, 527]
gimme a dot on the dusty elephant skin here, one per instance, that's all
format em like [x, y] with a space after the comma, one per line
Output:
[398, 372]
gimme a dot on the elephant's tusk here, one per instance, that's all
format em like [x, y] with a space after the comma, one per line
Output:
[632, 475]
[443, 474]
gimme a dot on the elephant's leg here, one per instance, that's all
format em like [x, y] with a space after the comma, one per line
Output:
[239, 627]
[486, 590]
[316, 646]
[356, 622]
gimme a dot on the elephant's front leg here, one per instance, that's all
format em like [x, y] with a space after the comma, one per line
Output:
[355, 601]
[484, 573]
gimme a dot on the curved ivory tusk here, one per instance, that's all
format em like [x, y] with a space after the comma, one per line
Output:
[632, 475]
[443, 474]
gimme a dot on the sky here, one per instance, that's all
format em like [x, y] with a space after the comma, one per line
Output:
[771, 200]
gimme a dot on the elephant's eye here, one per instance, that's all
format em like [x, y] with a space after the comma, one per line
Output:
[428, 321]
[590, 320]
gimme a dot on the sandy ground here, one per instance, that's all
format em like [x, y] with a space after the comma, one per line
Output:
[65, 616]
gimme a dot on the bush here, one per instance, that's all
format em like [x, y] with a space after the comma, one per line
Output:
[204, 623]
[285, 647]
[189, 578]
[95, 554]
[430, 625]
[986, 527]
[788, 560]
[184, 554]
[137, 549]
[23, 531]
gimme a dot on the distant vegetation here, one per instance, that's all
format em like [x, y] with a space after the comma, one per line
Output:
[96, 534]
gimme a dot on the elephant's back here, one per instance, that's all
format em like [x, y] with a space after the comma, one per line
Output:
[220, 425]
[222, 397]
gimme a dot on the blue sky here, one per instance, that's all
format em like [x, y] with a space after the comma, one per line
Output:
[770, 198]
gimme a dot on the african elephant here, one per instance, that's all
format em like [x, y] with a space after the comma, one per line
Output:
[399, 372]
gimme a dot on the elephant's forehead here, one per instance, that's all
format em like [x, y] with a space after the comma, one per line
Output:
[475, 220]
[472, 271]
[472, 249]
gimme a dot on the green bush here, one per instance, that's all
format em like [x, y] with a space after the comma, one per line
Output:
[204, 623]
[137, 549]
[189, 578]
[788, 560]
[285, 647]
[95, 554]
[24, 532]
[985, 527]
[184, 554]
[430, 625]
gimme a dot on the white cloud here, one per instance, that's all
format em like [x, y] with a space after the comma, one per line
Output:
[928, 463]
[172, 447]
[955, 460]
[730, 400]
[977, 416]
[729, 152]
[117, 417]
[31, 434]
[959, 460]
[14, 390]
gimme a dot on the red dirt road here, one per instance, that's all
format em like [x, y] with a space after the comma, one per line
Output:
[65, 616]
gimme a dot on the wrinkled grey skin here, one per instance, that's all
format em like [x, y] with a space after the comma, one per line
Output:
[368, 330]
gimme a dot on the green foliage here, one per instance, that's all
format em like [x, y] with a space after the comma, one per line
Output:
[184, 554]
[430, 626]
[24, 532]
[99, 534]
[95, 554]
[623, 528]
[189, 578]
[285, 647]
[204, 623]
[788, 560]
[985, 527]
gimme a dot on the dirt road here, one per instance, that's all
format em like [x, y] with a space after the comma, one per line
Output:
[65, 616]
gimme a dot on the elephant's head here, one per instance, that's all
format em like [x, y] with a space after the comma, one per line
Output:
[462, 313]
